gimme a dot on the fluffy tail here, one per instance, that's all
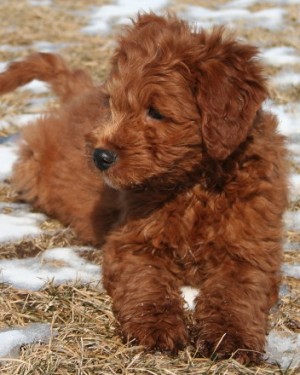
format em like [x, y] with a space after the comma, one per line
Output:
[49, 68]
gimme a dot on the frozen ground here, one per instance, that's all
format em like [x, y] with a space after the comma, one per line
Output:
[12, 339]
[64, 265]
[102, 19]
[57, 265]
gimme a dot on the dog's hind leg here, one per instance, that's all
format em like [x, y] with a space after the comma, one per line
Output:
[48, 68]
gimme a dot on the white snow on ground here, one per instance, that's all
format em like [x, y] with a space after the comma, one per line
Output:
[44, 46]
[292, 270]
[36, 86]
[10, 48]
[16, 221]
[288, 116]
[283, 348]
[17, 225]
[292, 220]
[248, 3]
[12, 339]
[286, 79]
[40, 2]
[270, 18]
[294, 186]
[104, 17]
[3, 66]
[189, 294]
[294, 149]
[8, 155]
[20, 120]
[58, 265]
[278, 56]
[291, 246]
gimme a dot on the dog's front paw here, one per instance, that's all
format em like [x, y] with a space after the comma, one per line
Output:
[164, 333]
[228, 346]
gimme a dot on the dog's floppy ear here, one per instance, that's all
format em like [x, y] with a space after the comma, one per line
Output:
[230, 89]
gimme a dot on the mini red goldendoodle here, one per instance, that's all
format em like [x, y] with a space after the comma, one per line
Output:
[190, 185]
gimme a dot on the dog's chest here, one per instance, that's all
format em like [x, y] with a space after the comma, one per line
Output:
[186, 226]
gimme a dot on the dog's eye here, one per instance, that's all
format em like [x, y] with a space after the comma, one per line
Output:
[155, 114]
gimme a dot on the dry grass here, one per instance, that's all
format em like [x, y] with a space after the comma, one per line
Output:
[85, 339]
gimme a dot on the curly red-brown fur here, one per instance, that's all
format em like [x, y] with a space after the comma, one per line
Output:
[195, 195]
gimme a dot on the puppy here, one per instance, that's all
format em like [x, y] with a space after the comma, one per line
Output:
[188, 185]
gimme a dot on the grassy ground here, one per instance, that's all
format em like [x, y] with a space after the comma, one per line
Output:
[85, 339]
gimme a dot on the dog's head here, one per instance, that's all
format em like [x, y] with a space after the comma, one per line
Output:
[173, 96]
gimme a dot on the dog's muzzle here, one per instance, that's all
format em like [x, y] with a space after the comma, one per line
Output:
[104, 159]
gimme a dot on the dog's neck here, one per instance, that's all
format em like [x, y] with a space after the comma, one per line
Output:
[212, 176]
[142, 200]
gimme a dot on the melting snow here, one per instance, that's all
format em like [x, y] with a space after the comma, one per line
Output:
[189, 294]
[8, 155]
[286, 79]
[292, 270]
[40, 2]
[248, 3]
[59, 265]
[204, 17]
[292, 220]
[3, 66]
[12, 339]
[294, 186]
[36, 86]
[22, 120]
[104, 17]
[278, 56]
[288, 117]
[15, 226]
[44, 46]
[291, 246]
[283, 348]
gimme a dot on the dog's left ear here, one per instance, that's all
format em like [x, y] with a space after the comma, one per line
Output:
[230, 89]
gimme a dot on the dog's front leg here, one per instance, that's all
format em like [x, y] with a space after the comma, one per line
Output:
[231, 312]
[146, 299]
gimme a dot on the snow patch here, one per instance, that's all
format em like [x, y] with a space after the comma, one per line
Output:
[292, 270]
[44, 46]
[36, 86]
[102, 19]
[12, 339]
[294, 186]
[292, 220]
[283, 348]
[40, 3]
[248, 3]
[10, 48]
[22, 120]
[15, 226]
[291, 246]
[270, 18]
[286, 79]
[58, 265]
[288, 117]
[189, 294]
[8, 155]
[3, 66]
[278, 56]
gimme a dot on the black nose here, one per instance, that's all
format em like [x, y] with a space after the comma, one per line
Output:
[103, 159]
